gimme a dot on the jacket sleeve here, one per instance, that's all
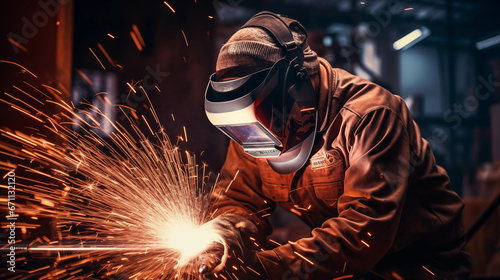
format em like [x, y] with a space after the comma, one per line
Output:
[375, 186]
[238, 190]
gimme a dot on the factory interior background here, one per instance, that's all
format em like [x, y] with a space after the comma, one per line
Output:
[449, 77]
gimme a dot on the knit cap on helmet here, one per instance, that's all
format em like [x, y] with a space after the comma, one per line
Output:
[252, 49]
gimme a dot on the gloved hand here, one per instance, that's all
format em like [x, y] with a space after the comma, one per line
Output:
[234, 252]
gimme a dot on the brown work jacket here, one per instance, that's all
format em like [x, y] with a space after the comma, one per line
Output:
[376, 201]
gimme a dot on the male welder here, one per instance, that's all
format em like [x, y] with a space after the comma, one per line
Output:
[342, 153]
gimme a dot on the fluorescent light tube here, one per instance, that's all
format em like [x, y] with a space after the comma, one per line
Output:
[490, 42]
[411, 38]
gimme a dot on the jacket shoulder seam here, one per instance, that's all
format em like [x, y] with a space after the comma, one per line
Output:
[382, 107]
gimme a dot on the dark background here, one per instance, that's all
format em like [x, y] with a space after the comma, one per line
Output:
[451, 86]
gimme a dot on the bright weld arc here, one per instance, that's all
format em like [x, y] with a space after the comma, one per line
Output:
[152, 169]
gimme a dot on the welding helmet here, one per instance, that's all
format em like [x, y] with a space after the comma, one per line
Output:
[271, 113]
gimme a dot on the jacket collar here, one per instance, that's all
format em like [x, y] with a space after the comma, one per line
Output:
[328, 104]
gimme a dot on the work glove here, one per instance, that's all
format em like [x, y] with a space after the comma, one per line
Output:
[235, 251]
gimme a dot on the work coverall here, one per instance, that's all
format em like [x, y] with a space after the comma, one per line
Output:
[376, 201]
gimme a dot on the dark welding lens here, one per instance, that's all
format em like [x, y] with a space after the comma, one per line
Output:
[249, 134]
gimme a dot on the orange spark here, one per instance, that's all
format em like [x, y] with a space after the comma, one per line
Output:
[343, 277]
[26, 83]
[185, 39]
[19, 65]
[295, 212]
[131, 87]
[308, 109]
[136, 40]
[106, 54]
[30, 96]
[39, 269]
[366, 244]
[85, 77]
[170, 7]
[138, 34]
[249, 268]
[97, 58]
[150, 130]
[234, 178]
[304, 258]
[14, 42]
[111, 36]
[428, 270]
[275, 242]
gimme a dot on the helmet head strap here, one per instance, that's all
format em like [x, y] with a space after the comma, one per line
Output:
[279, 28]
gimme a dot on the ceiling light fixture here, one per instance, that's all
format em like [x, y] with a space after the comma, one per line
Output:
[488, 43]
[411, 38]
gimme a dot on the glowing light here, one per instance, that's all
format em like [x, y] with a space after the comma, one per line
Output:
[411, 38]
[146, 204]
[487, 43]
[189, 239]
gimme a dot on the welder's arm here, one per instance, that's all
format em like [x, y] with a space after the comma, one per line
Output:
[239, 204]
[239, 190]
[375, 186]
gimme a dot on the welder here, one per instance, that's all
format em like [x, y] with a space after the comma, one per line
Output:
[341, 152]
